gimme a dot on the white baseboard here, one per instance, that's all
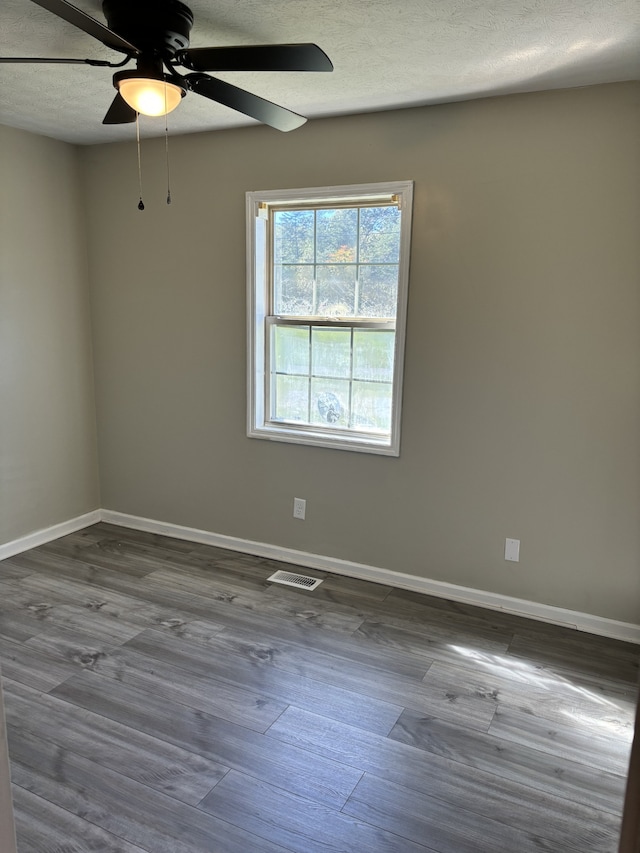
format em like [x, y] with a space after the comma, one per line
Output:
[48, 534]
[481, 598]
[493, 601]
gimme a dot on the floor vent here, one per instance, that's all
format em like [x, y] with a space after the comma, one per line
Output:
[291, 579]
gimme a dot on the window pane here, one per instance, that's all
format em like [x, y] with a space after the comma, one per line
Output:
[293, 290]
[329, 402]
[371, 405]
[336, 288]
[291, 399]
[291, 349]
[337, 236]
[331, 352]
[293, 236]
[378, 291]
[380, 235]
[373, 354]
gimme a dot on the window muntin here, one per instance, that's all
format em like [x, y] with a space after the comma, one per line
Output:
[328, 274]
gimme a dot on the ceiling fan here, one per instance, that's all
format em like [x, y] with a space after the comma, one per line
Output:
[155, 33]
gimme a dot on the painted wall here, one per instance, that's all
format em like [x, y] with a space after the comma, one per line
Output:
[48, 456]
[522, 382]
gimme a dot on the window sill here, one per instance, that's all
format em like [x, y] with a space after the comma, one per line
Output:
[315, 438]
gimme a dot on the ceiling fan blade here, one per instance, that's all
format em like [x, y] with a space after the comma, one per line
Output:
[89, 25]
[244, 102]
[119, 112]
[259, 57]
[40, 59]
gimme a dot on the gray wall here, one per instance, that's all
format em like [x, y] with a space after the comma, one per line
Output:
[48, 457]
[522, 390]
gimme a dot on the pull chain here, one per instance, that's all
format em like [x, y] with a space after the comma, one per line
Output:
[140, 203]
[166, 145]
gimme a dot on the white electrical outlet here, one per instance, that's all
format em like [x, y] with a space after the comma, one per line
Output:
[299, 508]
[512, 550]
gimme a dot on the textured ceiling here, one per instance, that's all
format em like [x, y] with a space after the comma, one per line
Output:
[386, 53]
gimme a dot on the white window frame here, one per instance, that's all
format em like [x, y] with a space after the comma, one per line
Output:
[258, 302]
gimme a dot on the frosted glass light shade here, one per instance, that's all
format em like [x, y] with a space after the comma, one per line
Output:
[150, 97]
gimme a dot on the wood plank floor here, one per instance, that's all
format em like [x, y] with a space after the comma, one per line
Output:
[162, 697]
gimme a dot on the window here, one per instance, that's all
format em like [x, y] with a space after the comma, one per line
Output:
[328, 276]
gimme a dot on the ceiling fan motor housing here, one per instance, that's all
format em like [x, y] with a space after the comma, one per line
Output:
[154, 26]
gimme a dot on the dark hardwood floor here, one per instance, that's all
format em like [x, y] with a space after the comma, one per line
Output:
[162, 697]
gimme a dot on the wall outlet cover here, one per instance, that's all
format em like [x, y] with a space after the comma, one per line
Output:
[512, 550]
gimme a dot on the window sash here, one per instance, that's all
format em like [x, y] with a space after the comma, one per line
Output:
[358, 263]
[310, 375]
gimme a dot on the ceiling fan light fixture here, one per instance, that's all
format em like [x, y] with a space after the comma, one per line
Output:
[149, 96]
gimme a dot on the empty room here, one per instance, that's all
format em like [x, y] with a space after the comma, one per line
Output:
[319, 426]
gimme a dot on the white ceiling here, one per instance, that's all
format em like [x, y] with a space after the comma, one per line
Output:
[386, 53]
